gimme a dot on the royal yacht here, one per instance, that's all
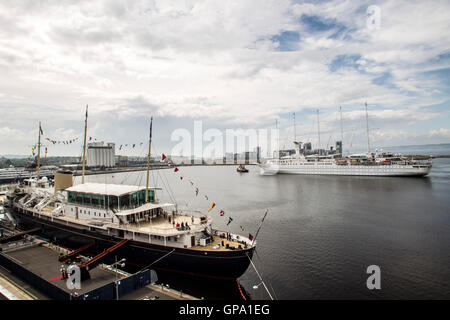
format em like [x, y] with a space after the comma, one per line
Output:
[131, 220]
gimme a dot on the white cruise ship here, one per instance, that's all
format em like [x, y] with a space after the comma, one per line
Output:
[332, 162]
[373, 164]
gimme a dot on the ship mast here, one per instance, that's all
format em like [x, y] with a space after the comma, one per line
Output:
[342, 133]
[295, 129]
[39, 155]
[84, 146]
[367, 129]
[318, 128]
[278, 138]
[148, 160]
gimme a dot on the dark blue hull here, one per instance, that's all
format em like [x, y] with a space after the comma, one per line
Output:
[230, 264]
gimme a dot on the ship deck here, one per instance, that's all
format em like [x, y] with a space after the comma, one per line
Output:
[159, 226]
[216, 245]
[162, 225]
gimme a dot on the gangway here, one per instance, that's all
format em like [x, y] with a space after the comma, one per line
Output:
[95, 261]
[75, 252]
[18, 235]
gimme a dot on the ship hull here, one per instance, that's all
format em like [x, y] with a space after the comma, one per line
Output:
[349, 170]
[211, 264]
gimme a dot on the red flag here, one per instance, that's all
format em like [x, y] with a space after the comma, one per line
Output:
[176, 170]
[163, 157]
[250, 236]
[181, 178]
[222, 213]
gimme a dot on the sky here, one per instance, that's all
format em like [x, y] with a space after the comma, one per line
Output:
[230, 64]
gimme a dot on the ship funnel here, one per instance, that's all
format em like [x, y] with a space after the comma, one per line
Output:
[63, 180]
[298, 145]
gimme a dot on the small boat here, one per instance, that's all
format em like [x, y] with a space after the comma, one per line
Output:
[241, 168]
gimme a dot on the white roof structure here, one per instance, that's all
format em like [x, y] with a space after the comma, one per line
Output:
[105, 189]
[144, 207]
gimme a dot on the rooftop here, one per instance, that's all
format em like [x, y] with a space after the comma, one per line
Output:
[106, 189]
[144, 207]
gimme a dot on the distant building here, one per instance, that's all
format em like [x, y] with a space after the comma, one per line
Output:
[283, 153]
[338, 147]
[307, 146]
[258, 154]
[229, 157]
[122, 161]
[100, 155]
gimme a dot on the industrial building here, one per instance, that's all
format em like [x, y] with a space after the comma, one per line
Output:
[101, 155]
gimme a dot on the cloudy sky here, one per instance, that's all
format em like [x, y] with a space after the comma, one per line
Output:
[230, 64]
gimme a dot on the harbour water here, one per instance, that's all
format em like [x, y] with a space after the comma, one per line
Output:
[322, 232]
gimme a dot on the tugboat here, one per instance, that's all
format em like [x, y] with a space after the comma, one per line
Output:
[130, 218]
[241, 168]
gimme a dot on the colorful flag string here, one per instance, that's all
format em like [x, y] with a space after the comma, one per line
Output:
[197, 191]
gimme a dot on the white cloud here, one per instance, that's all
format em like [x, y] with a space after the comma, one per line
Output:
[215, 60]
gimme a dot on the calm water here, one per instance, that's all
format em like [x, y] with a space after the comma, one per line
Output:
[322, 232]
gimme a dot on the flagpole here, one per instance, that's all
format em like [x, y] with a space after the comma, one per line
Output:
[148, 160]
[84, 147]
[259, 228]
[38, 171]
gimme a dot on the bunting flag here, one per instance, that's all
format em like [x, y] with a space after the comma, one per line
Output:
[163, 157]
[250, 236]
[213, 204]
[60, 141]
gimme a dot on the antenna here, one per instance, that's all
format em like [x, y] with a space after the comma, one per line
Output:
[367, 128]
